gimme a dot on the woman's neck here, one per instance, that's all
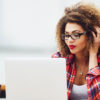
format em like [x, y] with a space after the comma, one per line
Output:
[81, 59]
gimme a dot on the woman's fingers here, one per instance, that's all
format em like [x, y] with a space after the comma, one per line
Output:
[97, 29]
[96, 43]
[96, 38]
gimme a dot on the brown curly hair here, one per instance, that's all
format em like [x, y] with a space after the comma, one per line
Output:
[86, 15]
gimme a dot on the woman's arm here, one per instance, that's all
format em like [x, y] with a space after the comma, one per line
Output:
[93, 61]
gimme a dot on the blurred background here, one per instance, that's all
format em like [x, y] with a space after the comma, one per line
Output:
[27, 28]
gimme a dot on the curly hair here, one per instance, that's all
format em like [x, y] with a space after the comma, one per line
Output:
[86, 15]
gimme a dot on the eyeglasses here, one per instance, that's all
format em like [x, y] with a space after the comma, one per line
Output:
[74, 36]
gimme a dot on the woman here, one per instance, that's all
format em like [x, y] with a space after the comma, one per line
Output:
[78, 38]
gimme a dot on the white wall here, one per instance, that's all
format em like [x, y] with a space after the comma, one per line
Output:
[29, 23]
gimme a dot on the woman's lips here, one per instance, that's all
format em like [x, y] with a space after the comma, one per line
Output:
[72, 46]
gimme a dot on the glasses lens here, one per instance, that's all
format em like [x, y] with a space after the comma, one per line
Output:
[75, 36]
[66, 37]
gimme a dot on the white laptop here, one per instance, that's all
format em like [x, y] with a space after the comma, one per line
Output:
[35, 79]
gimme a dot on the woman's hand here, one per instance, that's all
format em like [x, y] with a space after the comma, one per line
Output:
[94, 49]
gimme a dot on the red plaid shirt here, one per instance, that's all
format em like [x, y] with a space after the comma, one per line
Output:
[92, 77]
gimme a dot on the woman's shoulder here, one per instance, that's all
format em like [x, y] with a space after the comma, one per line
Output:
[56, 55]
[69, 58]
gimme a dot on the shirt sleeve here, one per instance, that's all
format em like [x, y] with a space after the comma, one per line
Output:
[94, 71]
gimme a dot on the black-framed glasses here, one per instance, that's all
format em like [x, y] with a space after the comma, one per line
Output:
[74, 36]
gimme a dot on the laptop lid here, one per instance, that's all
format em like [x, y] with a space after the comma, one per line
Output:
[35, 79]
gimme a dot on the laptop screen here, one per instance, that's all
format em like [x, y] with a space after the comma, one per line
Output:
[35, 79]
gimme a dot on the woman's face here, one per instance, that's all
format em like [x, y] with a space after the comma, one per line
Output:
[77, 45]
